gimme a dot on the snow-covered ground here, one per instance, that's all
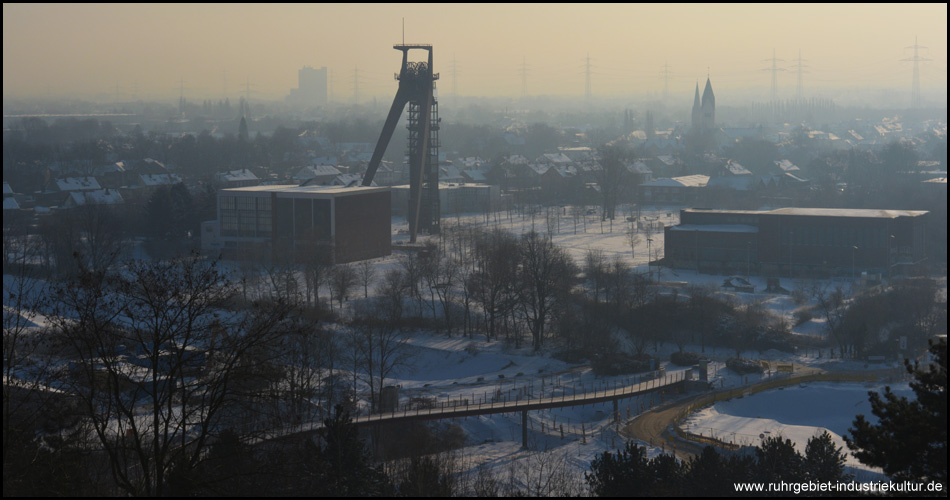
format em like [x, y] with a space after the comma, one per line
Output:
[566, 440]
[795, 412]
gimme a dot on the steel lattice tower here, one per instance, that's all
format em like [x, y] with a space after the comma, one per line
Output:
[915, 83]
[416, 88]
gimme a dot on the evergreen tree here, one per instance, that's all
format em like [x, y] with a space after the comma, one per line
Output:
[909, 442]
[347, 468]
[823, 461]
[624, 474]
[711, 474]
[777, 461]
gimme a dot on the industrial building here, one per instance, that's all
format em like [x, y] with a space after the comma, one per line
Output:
[797, 242]
[347, 223]
[454, 199]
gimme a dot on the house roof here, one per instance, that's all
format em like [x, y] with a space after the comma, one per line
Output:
[734, 168]
[684, 181]
[159, 179]
[786, 166]
[311, 171]
[77, 184]
[236, 175]
[97, 197]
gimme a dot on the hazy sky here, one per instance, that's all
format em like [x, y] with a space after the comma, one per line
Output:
[147, 50]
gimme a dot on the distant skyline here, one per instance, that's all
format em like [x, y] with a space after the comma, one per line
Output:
[147, 51]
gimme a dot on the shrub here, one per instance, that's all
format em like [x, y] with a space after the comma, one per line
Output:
[802, 315]
[683, 358]
[619, 364]
[744, 366]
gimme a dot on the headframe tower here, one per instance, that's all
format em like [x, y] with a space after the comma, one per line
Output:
[416, 88]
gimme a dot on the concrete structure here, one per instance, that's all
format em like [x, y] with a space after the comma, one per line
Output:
[797, 242]
[349, 224]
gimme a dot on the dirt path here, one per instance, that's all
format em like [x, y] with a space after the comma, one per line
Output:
[656, 426]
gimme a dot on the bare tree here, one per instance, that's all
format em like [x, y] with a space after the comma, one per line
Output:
[366, 272]
[831, 305]
[316, 260]
[157, 355]
[342, 280]
[611, 176]
[497, 255]
[595, 269]
[30, 353]
[633, 239]
[381, 348]
[545, 278]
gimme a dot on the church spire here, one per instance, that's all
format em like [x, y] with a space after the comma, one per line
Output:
[697, 109]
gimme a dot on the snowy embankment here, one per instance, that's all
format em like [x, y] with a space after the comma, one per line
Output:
[797, 412]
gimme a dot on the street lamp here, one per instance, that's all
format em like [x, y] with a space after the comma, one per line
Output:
[853, 249]
[649, 253]
[791, 238]
[748, 264]
[890, 248]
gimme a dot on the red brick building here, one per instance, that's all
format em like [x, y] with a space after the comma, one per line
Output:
[349, 223]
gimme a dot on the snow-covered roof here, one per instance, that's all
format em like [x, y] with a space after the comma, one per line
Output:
[684, 181]
[311, 171]
[10, 204]
[787, 166]
[555, 158]
[151, 180]
[450, 173]
[716, 228]
[474, 175]
[7, 190]
[236, 176]
[98, 197]
[517, 160]
[538, 168]
[734, 168]
[347, 180]
[849, 212]
[77, 184]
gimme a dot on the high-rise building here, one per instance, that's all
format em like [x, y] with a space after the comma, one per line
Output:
[311, 88]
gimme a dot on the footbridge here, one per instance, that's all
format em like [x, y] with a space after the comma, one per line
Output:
[461, 407]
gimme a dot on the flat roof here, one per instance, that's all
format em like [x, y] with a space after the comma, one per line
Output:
[295, 190]
[716, 228]
[820, 212]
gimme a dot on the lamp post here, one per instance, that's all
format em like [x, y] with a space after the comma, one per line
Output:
[890, 247]
[748, 264]
[649, 253]
[791, 238]
[853, 249]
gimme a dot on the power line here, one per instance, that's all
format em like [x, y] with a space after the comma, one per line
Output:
[800, 91]
[666, 75]
[587, 79]
[524, 78]
[774, 69]
[915, 83]
[455, 91]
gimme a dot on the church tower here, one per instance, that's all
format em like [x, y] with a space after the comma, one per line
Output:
[697, 122]
[709, 107]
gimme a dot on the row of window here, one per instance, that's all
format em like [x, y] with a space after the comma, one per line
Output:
[245, 216]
